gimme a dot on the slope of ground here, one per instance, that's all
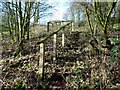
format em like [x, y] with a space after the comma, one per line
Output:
[77, 67]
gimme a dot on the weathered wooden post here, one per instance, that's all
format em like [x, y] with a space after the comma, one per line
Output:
[48, 24]
[72, 26]
[59, 24]
[56, 26]
[54, 47]
[63, 37]
[41, 61]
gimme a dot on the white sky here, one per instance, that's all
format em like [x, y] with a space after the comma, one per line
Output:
[59, 10]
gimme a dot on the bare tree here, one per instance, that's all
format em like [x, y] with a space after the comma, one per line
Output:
[19, 15]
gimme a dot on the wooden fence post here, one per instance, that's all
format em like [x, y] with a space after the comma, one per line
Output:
[56, 25]
[72, 26]
[63, 38]
[59, 25]
[48, 24]
[54, 47]
[41, 61]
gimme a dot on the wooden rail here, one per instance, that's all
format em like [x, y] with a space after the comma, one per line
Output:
[42, 46]
[58, 24]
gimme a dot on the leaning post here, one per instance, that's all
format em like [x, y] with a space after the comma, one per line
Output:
[41, 61]
[54, 47]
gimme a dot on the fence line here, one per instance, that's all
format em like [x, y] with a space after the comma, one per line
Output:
[42, 44]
